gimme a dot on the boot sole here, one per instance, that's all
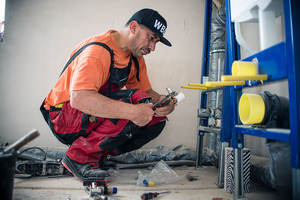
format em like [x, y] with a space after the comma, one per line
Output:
[70, 167]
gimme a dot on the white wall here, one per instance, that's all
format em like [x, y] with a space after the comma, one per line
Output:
[39, 35]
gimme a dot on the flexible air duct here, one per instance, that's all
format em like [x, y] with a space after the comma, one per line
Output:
[216, 69]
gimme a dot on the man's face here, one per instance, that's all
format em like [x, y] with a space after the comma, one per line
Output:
[144, 41]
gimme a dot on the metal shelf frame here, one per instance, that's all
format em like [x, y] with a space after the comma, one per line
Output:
[205, 69]
[279, 62]
[224, 131]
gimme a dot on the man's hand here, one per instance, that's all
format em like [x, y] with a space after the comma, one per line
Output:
[143, 114]
[93, 103]
[161, 111]
[165, 110]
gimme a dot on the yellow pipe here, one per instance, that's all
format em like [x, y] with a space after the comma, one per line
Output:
[194, 87]
[242, 68]
[251, 108]
[227, 83]
[197, 84]
[244, 78]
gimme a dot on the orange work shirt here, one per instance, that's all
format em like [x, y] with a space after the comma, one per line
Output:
[90, 70]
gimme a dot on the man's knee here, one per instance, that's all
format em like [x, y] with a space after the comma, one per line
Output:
[142, 137]
[153, 131]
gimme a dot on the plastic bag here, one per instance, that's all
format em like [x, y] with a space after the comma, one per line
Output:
[160, 174]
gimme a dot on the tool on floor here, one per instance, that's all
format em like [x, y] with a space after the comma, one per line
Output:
[172, 96]
[191, 178]
[34, 161]
[40, 168]
[98, 188]
[21, 142]
[8, 164]
[151, 195]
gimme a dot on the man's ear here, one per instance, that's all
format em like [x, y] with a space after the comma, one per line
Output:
[133, 27]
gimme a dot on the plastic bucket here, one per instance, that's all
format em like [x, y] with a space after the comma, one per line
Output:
[251, 108]
[7, 173]
[242, 68]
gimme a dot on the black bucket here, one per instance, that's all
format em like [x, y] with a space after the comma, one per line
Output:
[7, 173]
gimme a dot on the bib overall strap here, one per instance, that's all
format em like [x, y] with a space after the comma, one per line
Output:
[82, 48]
[136, 63]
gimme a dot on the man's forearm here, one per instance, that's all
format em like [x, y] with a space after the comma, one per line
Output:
[93, 103]
[156, 97]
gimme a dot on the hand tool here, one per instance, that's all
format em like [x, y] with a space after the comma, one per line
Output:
[172, 96]
[8, 164]
[151, 195]
[21, 142]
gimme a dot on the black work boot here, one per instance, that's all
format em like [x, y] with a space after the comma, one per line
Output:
[85, 172]
[106, 165]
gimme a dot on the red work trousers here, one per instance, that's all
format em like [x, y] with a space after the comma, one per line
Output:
[91, 139]
[100, 143]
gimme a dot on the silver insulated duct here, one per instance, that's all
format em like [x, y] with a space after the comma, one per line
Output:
[216, 69]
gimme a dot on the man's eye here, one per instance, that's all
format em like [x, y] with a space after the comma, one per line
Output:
[152, 38]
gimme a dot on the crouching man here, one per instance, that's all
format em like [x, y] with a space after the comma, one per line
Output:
[87, 110]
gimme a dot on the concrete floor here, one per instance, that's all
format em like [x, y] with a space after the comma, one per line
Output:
[202, 189]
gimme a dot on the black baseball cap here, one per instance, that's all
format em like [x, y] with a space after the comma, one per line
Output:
[153, 21]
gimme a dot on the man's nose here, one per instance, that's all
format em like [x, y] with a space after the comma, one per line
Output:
[152, 45]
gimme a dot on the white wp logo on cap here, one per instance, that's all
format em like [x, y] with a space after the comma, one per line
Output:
[159, 26]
